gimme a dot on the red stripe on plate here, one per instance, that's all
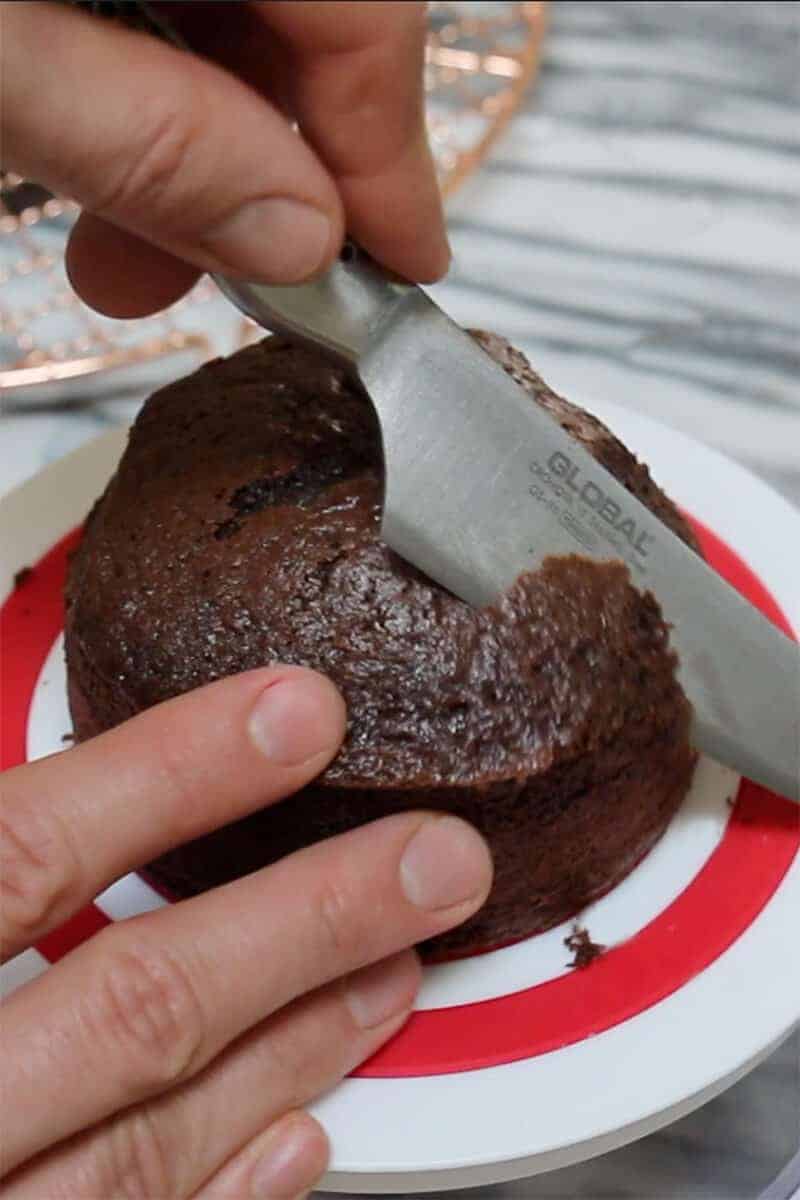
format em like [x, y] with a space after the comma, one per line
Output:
[77, 929]
[726, 896]
[30, 621]
[714, 910]
[721, 902]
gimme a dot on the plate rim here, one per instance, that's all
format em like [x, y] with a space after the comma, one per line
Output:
[757, 539]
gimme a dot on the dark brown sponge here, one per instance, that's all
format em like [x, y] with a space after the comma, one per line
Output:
[242, 527]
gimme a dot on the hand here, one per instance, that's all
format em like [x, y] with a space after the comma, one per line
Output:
[170, 1056]
[186, 163]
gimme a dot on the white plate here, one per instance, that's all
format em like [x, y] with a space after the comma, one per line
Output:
[692, 994]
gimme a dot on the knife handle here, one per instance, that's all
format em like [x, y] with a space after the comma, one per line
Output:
[340, 313]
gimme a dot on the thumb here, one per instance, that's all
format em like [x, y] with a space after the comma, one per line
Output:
[163, 144]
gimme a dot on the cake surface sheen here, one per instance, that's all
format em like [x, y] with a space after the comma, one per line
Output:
[242, 528]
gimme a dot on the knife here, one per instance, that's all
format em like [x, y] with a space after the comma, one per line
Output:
[483, 484]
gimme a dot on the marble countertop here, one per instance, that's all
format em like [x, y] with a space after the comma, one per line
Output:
[636, 231]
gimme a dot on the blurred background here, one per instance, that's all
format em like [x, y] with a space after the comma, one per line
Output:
[623, 186]
[623, 200]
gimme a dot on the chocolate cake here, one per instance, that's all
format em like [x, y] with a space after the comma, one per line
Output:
[242, 527]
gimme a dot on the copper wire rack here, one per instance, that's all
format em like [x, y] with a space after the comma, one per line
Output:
[480, 58]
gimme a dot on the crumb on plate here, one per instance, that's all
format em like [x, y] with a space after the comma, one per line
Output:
[582, 947]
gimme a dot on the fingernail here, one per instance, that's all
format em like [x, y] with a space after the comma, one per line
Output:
[445, 863]
[442, 257]
[277, 240]
[297, 718]
[291, 1161]
[382, 991]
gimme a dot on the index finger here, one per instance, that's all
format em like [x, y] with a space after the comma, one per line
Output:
[356, 87]
[148, 1003]
[76, 821]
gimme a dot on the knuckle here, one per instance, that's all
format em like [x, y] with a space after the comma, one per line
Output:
[338, 924]
[150, 173]
[284, 1056]
[372, 137]
[305, 1053]
[137, 1164]
[146, 1005]
[176, 764]
[38, 872]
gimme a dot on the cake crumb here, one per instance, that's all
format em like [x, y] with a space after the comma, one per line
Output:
[23, 576]
[68, 737]
[582, 947]
[730, 801]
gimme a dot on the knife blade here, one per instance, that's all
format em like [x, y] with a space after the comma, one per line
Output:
[483, 484]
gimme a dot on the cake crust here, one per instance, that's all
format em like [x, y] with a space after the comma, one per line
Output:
[242, 527]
